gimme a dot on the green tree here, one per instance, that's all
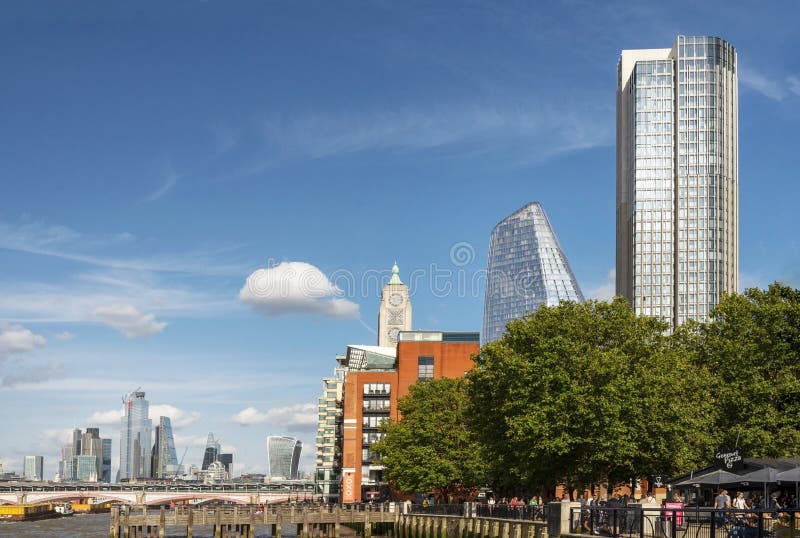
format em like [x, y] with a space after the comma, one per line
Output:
[587, 393]
[431, 448]
[752, 343]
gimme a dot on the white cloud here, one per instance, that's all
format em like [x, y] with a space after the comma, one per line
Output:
[295, 288]
[178, 417]
[105, 417]
[605, 291]
[297, 417]
[128, 320]
[17, 339]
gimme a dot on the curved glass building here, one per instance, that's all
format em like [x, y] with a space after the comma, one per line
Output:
[527, 269]
[283, 456]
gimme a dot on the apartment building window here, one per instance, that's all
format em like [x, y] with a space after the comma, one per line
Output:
[380, 389]
[425, 367]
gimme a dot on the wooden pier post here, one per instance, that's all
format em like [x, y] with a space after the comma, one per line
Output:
[113, 531]
[190, 523]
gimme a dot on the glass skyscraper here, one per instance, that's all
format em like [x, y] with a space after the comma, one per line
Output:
[677, 178]
[283, 456]
[211, 453]
[136, 438]
[527, 269]
[33, 468]
[165, 459]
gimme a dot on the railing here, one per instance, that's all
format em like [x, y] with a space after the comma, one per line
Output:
[686, 522]
[501, 511]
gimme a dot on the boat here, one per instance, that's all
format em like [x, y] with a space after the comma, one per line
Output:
[64, 509]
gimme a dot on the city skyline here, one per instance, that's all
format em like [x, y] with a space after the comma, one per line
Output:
[163, 166]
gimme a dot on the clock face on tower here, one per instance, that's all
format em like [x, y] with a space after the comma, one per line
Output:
[395, 299]
[393, 333]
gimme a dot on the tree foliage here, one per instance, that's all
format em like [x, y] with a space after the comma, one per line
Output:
[431, 448]
[752, 343]
[591, 393]
[583, 393]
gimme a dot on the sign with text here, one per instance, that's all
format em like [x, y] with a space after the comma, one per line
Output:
[730, 459]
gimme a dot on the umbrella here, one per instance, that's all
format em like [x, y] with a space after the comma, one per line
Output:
[791, 475]
[714, 478]
[766, 475]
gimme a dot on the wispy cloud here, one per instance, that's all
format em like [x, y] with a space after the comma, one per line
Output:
[776, 88]
[170, 180]
[553, 127]
[794, 84]
[67, 244]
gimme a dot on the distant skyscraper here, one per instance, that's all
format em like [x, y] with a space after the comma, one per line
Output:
[33, 468]
[283, 456]
[527, 269]
[226, 460]
[678, 178]
[211, 453]
[92, 445]
[106, 477]
[394, 314]
[165, 459]
[136, 438]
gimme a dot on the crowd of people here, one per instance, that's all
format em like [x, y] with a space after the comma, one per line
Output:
[518, 507]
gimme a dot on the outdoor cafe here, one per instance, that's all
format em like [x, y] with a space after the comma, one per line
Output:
[762, 503]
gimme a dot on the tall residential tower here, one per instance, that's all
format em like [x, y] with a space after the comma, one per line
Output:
[678, 178]
[527, 269]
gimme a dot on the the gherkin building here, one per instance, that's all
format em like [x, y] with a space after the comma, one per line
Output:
[527, 269]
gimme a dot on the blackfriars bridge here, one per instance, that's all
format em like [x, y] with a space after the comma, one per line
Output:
[159, 494]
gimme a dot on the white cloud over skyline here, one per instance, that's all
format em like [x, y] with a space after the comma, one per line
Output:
[291, 288]
[297, 417]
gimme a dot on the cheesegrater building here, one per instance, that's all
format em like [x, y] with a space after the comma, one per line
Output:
[677, 178]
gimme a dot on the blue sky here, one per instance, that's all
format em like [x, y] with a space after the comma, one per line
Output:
[156, 156]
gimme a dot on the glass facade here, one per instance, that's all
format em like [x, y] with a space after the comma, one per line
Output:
[211, 453]
[165, 459]
[136, 438]
[677, 178]
[86, 468]
[527, 269]
[283, 456]
[33, 468]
